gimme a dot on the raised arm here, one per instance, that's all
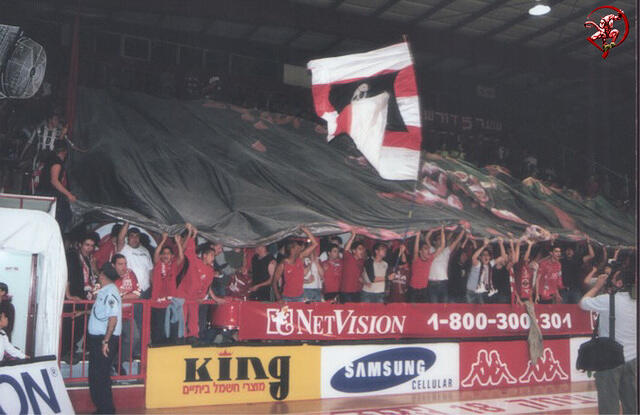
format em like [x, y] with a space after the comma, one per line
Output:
[179, 242]
[416, 245]
[503, 252]
[456, 241]
[190, 246]
[590, 275]
[121, 236]
[156, 253]
[443, 241]
[352, 238]
[476, 254]
[590, 255]
[314, 243]
[515, 251]
[527, 254]
[276, 280]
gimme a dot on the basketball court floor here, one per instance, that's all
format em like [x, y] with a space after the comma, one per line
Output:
[576, 398]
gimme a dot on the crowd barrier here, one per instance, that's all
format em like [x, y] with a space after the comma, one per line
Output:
[452, 339]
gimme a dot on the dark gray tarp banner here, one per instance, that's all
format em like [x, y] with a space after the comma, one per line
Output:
[246, 177]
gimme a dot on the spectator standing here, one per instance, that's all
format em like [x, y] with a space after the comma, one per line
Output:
[549, 281]
[571, 266]
[163, 283]
[53, 182]
[263, 266]
[107, 246]
[438, 288]
[377, 273]
[289, 274]
[500, 278]
[81, 280]
[196, 285]
[459, 272]
[332, 267]
[523, 279]
[127, 285]
[480, 281]
[618, 385]
[313, 278]
[421, 266]
[105, 326]
[401, 277]
[138, 257]
[353, 265]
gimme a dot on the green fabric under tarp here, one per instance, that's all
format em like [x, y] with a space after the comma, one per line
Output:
[246, 177]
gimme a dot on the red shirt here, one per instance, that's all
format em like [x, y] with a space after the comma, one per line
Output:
[293, 279]
[196, 282]
[332, 275]
[523, 280]
[420, 272]
[106, 250]
[550, 276]
[351, 272]
[127, 284]
[163, 282]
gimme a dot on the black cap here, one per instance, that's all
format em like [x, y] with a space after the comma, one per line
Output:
[109, 271]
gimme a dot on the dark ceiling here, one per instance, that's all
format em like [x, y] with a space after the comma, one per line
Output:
[470, 37]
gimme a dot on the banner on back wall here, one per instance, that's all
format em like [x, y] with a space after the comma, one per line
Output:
[324, 321]
[185, 376]
[33, 388]
[488, 365]
[388, 369]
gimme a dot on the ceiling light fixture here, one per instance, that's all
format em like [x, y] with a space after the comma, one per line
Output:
[539, 10]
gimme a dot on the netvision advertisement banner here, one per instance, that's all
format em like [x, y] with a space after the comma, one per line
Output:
[190, 376]
[324, 321]
[33, 388]
[388, 369]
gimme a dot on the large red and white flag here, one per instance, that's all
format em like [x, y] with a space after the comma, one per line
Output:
[373, 98]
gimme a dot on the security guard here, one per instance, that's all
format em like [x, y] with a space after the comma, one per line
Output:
[105, 326]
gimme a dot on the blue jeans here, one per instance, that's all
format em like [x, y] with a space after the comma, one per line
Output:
[438, 291]
[372, 297]
[299, 299]
[313, 294]
[571, 295]
[476, 298]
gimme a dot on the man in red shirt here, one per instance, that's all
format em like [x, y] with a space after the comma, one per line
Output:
[163, 282]
[332, 274]
[523, 278]
[196, 284]
[353, 265]
[549, 281]
[107, 246]
[129, 289]
[290, 272]
[421, 266]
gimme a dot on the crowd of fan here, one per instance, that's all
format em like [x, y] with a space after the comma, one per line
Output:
[439, 266]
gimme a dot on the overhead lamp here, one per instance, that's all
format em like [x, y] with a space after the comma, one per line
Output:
[539, 10]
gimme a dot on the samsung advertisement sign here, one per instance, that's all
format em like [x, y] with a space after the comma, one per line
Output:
[386, 369]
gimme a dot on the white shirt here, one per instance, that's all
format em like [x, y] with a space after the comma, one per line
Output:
[139, 261]
[10, 349]
[379, 270]
[440, 265]
[313, 270]
[626, 320]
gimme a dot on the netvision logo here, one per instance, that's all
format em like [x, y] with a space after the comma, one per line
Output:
[383, 370]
